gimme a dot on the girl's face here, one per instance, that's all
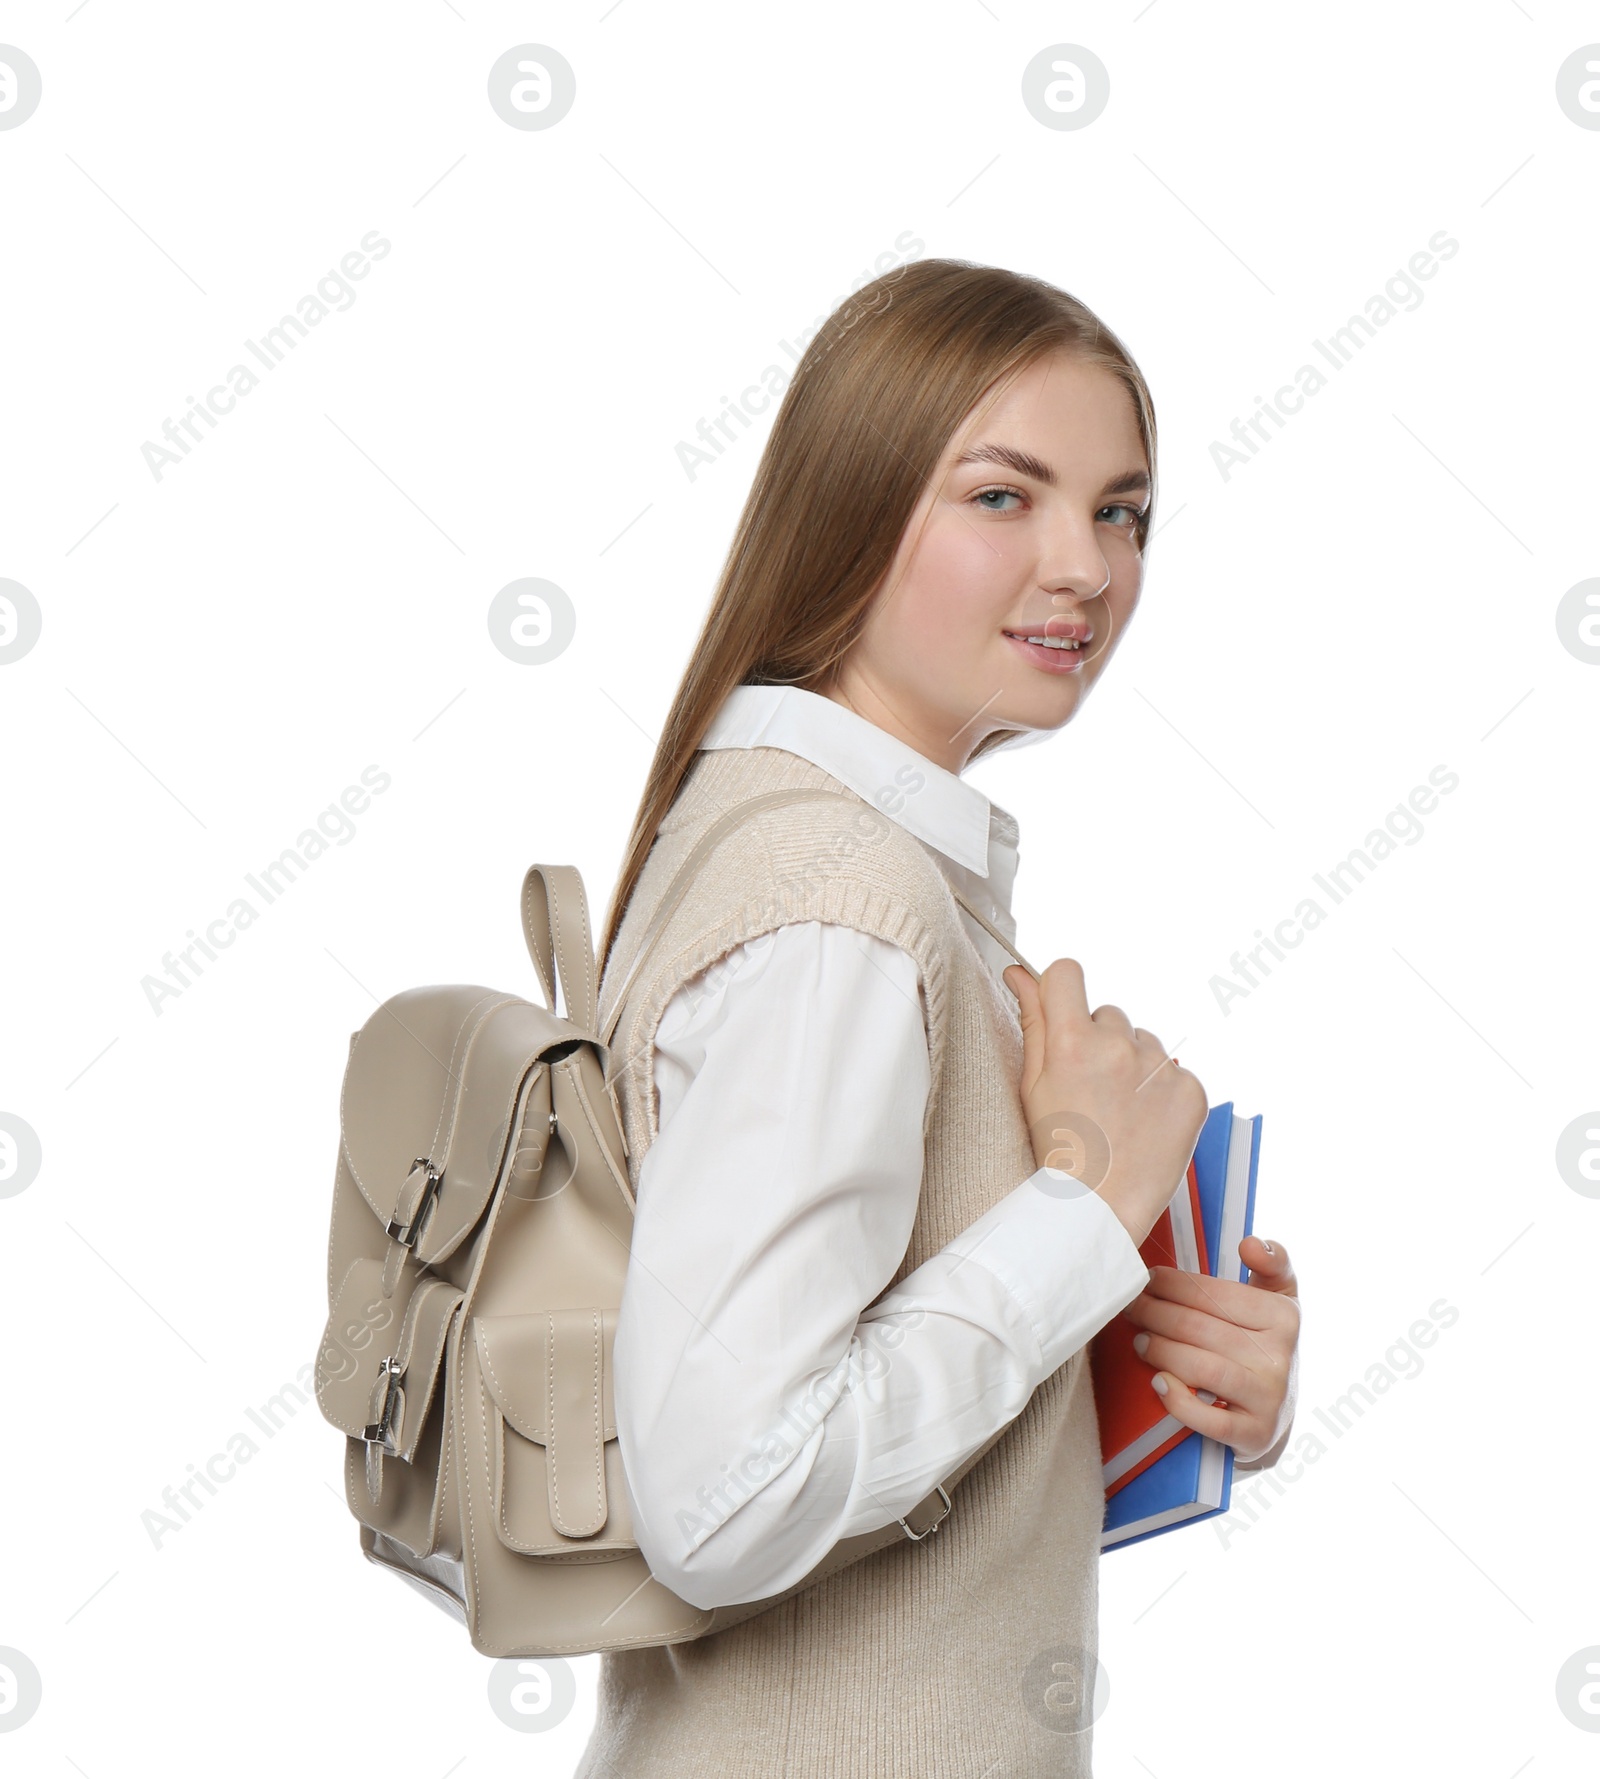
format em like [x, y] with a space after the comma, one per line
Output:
[1025, 529]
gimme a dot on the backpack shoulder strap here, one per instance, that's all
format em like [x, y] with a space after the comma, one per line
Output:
[994, 932]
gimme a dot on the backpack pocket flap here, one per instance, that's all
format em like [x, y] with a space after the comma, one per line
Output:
[379, 1364]
[550, 1377]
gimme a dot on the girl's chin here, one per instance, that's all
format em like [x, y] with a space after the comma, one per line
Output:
[1038, 710]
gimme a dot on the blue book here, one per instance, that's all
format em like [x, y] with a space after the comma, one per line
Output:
[1194, 1480]
[1211, 1171]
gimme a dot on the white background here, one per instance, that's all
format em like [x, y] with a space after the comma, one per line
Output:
[225, 649]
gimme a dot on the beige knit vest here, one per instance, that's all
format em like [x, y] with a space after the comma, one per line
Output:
[973, 1652]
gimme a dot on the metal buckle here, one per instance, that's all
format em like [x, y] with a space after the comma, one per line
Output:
[917, 1537]
[405, 1231]
[381, 1431]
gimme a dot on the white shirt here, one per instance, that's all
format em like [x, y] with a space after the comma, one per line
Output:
[771, 1397]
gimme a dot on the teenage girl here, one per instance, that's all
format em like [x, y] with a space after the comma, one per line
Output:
[860, 1248]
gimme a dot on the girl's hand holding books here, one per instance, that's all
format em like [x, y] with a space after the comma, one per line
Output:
[1237, 1344]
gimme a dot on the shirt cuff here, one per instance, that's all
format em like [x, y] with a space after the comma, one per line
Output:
[1063, 1254]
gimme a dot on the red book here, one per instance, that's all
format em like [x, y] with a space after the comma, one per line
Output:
[1135, 1429]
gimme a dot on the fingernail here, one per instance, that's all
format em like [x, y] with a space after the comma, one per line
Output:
[1159, 1384]
[1269, 1247]
[1140, 1342]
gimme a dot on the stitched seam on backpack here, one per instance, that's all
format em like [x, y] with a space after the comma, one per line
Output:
[483, 1351]
[503, 1473]
[589, 991]
[599, 1435]
[466, 1488]
[451, 1101]
[527, 927]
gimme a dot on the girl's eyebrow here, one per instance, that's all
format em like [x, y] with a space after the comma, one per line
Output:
[1134, 481]
[1023, 462]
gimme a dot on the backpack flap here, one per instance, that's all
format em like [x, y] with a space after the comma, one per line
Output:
[555, 1483]
[430, 1088]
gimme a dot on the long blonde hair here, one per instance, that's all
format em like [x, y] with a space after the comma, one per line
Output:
[872, 407]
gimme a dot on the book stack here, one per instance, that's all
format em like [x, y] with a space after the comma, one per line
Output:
[1159, 1473]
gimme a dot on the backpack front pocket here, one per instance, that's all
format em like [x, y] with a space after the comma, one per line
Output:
[555, 1468]
[380, 1381]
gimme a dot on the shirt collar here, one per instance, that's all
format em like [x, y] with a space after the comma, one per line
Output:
[942, 810]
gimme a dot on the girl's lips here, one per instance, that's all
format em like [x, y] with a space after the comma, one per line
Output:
[1050, 660]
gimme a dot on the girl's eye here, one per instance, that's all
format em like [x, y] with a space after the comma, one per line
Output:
[983, 494]
[1133, 513]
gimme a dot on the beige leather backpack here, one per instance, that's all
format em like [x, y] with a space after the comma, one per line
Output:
[481, 1221]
